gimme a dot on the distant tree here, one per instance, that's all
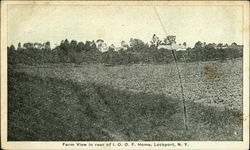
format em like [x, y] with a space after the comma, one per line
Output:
[80, 46]
[73, 43]
[135, 42]
[65, 46]
[47, 45]
[137, 45]
[155, 41]
[123, 43]
[87, 45]
[209, 46]
[19, 46]
[12, 48]
[220, 45]
[198, 44]
[93, 45]
[137, 52]
[222, 54]
[234, 44]
[90, 45]
[111, 48]
[28, 45]
[11, 54]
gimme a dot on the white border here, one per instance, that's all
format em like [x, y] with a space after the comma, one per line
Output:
[58, 145]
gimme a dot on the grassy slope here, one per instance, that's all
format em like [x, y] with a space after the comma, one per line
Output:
[55, 109]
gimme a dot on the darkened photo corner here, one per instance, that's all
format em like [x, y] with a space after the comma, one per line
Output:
[125, 73]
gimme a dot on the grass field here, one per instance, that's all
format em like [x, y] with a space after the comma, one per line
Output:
[138, 102]
[219, 86]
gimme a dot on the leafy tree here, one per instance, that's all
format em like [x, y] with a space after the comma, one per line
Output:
[28, 45]
[138, 52]
[80, 47]
[73, 44]
[19, 46]
[198, 45]
[185, 44]
[47, 45]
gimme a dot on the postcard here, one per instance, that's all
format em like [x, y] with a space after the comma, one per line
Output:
[125, 75]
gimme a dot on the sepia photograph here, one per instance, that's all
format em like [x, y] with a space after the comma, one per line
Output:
[124, 74]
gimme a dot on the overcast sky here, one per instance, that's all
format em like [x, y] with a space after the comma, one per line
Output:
[27, 23]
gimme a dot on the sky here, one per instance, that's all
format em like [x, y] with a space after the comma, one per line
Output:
[113, 24]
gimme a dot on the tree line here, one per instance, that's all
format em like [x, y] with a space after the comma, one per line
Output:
[137, 52]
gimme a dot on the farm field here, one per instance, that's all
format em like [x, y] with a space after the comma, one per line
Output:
[139, 102]
[210, 83]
